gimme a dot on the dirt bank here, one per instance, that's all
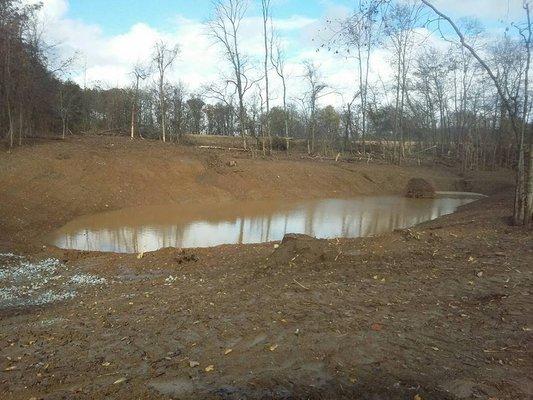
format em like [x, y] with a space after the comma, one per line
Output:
[440, 311]
[50, 183]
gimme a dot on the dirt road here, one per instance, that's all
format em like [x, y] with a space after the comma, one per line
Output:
[439, 311]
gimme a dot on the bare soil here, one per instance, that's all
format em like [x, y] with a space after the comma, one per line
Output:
[439, 311]
[420, 188]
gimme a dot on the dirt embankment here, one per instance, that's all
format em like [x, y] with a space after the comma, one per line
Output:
[46, 185]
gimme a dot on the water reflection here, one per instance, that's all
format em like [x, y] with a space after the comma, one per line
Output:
[151, 228]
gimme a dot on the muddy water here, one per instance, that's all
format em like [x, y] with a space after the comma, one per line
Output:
[144, 229]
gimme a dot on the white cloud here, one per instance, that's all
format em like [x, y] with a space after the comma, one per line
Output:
[292, 23]
[504, 10]
[52, 9]
[108, 60]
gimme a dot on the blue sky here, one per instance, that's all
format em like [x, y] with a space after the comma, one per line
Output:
[117, 16]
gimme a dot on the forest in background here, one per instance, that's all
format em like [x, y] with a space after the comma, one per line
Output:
[468, 103]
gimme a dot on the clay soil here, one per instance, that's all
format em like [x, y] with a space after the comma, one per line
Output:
[439, 311]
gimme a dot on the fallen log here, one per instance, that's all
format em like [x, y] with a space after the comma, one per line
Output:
[220, 148]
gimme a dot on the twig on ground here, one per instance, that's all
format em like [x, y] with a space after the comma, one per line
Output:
[299, 284]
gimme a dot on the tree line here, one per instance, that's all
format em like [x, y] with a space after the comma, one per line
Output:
[464, 99]
[28, 87]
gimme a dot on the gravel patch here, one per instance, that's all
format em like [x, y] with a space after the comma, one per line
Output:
[35, 283]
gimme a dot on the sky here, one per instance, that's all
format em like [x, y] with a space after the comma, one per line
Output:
[108, 37]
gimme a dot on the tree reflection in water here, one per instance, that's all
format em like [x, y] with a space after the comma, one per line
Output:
[151, 228]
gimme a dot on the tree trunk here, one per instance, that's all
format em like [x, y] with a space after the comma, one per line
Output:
[396, 116]
[265, 4]
[285, 113]
[20, 125]
[312, 143]
[132, 122]
[10, 118]
[529, 192]
[162, 106]
[134, 108]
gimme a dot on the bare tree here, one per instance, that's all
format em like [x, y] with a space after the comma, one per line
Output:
[178, 114]
[266, 13]
[277, 59]
[348, 121]
[525, 203]
[400, 25]
[164, 56]
[139, 73]
[522, 193]
[28, 87]
[362, 30]
[67, 96]
[314, 92]
[224, 29]
[224, 96]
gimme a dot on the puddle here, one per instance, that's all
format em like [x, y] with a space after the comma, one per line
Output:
[135, 230]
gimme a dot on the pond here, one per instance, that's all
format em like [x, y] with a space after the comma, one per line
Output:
[143, 229]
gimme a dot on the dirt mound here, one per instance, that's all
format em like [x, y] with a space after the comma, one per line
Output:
[296, 248]
[420, 188]
[168, 256]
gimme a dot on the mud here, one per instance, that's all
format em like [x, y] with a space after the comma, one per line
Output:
[441, 310]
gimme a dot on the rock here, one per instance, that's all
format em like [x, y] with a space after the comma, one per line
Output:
[231, 163]
[420, 188]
